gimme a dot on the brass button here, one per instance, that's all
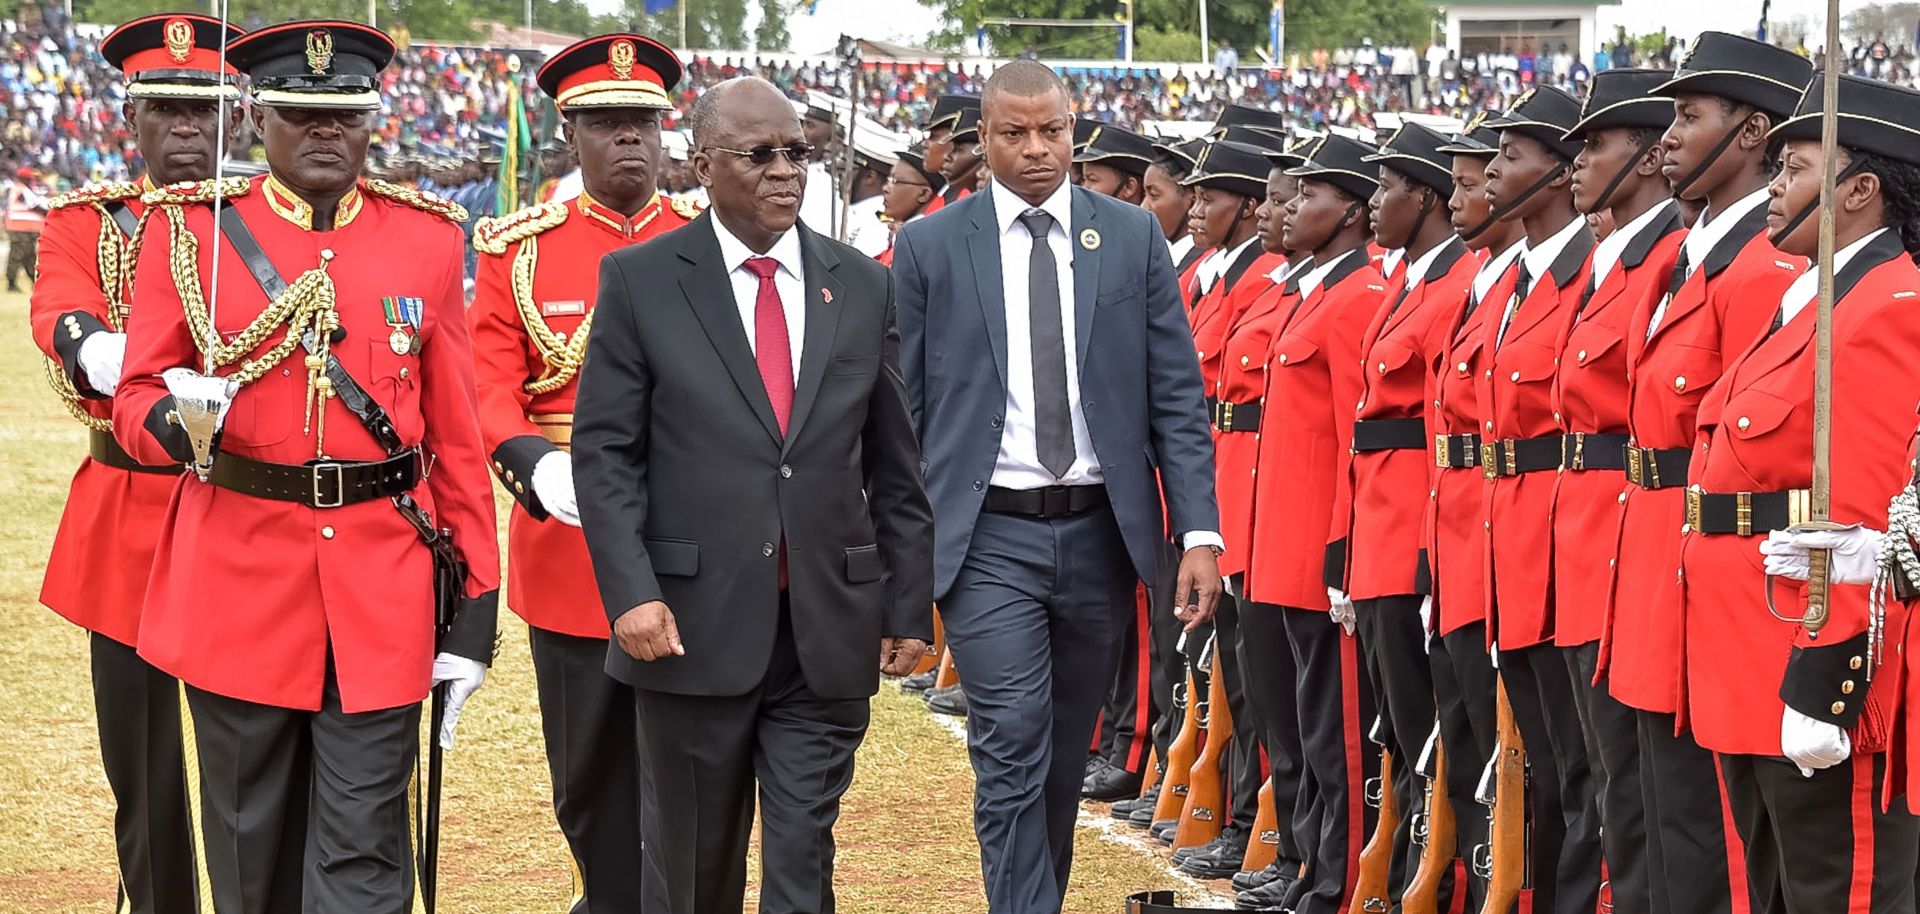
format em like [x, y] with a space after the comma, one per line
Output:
[1283, 358]
[1202, 353]
[520, 488]
[326, 532]
[1244, 361]
[1487, 524]
[1489, 374]
[1582, 355]
[1846, 688]
[1462, 368]
[1680, 383]
[1383, 368]
[497, 467]
[509, 475]
[404, 373]
[1686, 529]
[1744, 423]
[1433, 493]
[1516, 376]
[1489, 425]
[1854, 664]
[1623, 498]
[1839, 707]
[1556, 416]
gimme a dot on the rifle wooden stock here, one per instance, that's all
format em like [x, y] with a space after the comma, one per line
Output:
[948, 674]
[1263, 846]
[1435, 836]
[1370, 890]
[1508, 817]
[1200, 819]
[1182, 751]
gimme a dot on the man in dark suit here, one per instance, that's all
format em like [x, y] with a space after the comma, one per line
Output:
[750, 490]
[1053, 378]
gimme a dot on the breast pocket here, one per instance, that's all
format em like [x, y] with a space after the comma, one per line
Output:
[1591, 343]
[393, 378]
[859, 366]
[1293, 352]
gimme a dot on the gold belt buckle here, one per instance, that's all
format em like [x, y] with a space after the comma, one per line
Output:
[1743, 513]
[1634, 474]
[1226, 417]
[1489, 459]
[1799, 507]
[1440, 450]
[1579, 461]
[1693, 508]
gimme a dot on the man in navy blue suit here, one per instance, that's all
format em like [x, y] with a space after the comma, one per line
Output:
[1052, 376]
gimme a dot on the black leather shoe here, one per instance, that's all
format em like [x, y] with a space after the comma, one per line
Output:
[1274, 896]
[951, 701]
[1219, 858]
[1123, 809]
[1142, 817]
[919, 682]
[1245, 880]
[1164, 829]
[1110, 783]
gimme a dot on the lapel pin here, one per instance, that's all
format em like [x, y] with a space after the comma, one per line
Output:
[826, 295]
[1090, 239]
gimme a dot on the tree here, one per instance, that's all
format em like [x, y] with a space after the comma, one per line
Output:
[771, 33]
[1889, 22]
[1167, 25]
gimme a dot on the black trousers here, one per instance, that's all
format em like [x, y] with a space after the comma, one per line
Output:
[1613, 746]
[138, 709]
[1126, 722]
[1272, 676]
[594, 754]
[707, 756]
[1566, 820]
[1463, 686]
[1393, 643]
[306, 811]
[1243, 775]
[1820, 844]
[1687, 840]
[1335, 702]
[1169, 664]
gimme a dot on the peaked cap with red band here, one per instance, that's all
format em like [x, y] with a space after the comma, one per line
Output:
[620, 70]
[173, 55]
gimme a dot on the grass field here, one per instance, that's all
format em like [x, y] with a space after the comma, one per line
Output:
[905, 836]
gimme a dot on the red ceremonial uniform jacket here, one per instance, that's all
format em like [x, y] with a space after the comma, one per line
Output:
[1313, 373]
[1756, 426]
[1712, 317]
[1392, 487]
[96, 575]
[250, 597]
[529, 333]
[1221, 304]
[1242, 380]
[1190, 280]
[1516, 402]
[1590, 398]
[1456, 524]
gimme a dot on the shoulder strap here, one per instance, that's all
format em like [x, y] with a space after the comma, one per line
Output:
[123, 216]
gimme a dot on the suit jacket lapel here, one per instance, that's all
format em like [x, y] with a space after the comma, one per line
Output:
[823, 322]
[1084, 260]
[984, 247]
[709, 293]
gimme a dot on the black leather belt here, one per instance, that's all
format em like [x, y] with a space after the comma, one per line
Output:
[322, 484]
[1052, 501]
[1657, 468]
[104, 449]
[1593, 451]
[1456, 452]
[1514, 456]
[1237, 417]
[1389, 435]
[1746, 513]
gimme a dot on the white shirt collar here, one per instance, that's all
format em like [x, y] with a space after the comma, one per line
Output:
[1007, 207]
[1418, 269]
[1608, 251]
[1494, 267]
[1391, 259]
[1215, 266]
[1807, 287]
[734, 252]
[1287, 268]
[1539, 258]
[1311, 282]
[1178, 248]
[1712, 227]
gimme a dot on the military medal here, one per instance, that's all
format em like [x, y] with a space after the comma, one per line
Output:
[403, 315]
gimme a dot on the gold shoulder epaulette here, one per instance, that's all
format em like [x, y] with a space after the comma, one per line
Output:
[419, 199]
[688, 209]
[494, 234]
[183, 192]
[97, 192]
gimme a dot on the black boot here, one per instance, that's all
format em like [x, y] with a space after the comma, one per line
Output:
[1219, 858]
[919, 682]
[951, 701]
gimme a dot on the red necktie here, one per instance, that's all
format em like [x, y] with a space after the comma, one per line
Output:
[772, 350]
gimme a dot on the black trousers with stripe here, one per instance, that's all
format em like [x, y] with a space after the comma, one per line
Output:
[1123, 737]
[1613, 750]
[1566, 820]
[1820, 844]
[138, 710]
[594, 754]
[1336, 702]
[306, 811]
[1687, 841]
[1463, 686]
[1393, 642]
[1244, 776]
[1272, 678]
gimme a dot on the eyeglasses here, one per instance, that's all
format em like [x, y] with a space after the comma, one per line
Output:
[762, 155]
[891, 181]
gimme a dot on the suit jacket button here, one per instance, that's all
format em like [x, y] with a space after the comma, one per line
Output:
[786, 472]
[766, 549]
[995, 422]
[978, 485]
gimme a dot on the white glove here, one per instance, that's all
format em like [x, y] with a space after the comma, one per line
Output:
[1426, 622]
[1812, 744]
[462, 677]
[187, 384]
[1855, 553]
[553, 485]
[1341, 609]
[101, 356]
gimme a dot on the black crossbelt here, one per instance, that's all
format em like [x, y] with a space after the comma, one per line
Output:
[1456, 452]
[1745, 513]
[105, 450]
[1237, 417]
[1593, 451]
[1389, 435]
[123, 217]
[1658, 468]
[1514, 456]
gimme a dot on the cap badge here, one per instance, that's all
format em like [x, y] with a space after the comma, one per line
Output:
[1524, 98]
[1474, 123]
[319, 51]
[1094, 137]
[620, 58]
[179, 35]
[1090, 239]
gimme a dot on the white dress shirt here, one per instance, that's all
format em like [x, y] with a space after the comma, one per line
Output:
[1310, 282]
[1391, 259]
[1807, 287]
[1707, 232]
[1018, 466]
[1178, 247]
[1607, 253]
[867, 231]
[1417, 270]
[1494, 268]
[820, 201]
[1216, 265]
[789, 281]
[1538, 259]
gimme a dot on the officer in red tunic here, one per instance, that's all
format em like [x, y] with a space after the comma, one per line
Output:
[532, 312]
[1617, 172]
[1392, 456]
[292, 591]
[1761, 687]
[97, 574]
[1519, 453]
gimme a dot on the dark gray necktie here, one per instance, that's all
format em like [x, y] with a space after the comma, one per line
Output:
[1521, 288]
[1053, 427]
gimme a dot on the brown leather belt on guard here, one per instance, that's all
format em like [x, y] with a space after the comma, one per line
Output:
[1657, 468]
[321, 484]
[1514, 456]
[1389, 435]
[102, 447]
[1050, 502]
[1237, 417]
[555, 427]
[1456, 452]
[1593, 451]
[1746, 513]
